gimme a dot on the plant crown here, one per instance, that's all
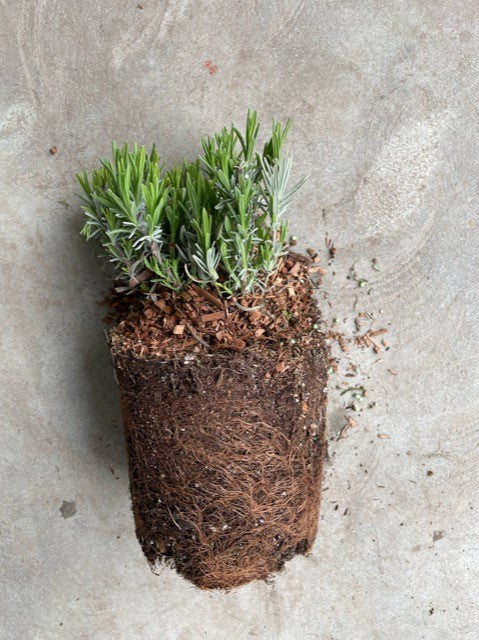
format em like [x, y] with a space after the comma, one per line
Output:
[216, 221]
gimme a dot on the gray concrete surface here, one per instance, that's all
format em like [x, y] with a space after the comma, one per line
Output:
[384, 97]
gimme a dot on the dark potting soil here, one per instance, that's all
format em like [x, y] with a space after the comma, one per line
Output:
[224, 422]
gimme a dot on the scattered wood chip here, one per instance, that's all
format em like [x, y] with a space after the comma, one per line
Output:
[366, 340]
[317, 269]
[334, 364]
[339, 338]
[211, 67]
[383, 436]
[377, 332]
[330, 246]
[393, 372]
[351, 423]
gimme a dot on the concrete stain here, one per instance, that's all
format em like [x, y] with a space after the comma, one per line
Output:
[68, 509]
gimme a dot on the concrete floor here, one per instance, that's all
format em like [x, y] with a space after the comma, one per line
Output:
[384, 100]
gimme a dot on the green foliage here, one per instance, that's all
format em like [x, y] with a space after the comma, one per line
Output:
[216, 221]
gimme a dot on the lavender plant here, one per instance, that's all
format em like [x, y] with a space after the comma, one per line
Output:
[217, 221]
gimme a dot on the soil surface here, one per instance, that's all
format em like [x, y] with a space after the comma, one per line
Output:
[201, 321]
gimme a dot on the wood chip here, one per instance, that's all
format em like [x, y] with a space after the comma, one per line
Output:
[213, 317]
[377, 332]
[141, 277]
[238, 344]
[209, 296]
[393, 372]
[179, 329]
[351, 423]
[295, 269]
[383, 436]
[330, 246]
[161, 304]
